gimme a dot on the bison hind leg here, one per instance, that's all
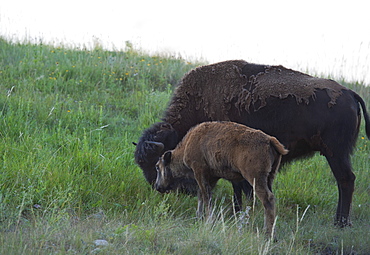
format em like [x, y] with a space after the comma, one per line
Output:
[268, 200]
[262, 180]
[342, 170]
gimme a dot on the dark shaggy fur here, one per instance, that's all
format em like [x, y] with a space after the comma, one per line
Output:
[306, 114]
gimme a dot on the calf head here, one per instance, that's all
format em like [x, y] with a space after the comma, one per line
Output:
[164, 181]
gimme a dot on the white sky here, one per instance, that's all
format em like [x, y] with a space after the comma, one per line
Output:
[325, 37]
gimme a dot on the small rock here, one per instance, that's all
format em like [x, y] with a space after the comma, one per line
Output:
[101, 242]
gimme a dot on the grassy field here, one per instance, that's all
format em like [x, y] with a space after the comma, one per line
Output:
[68, 178]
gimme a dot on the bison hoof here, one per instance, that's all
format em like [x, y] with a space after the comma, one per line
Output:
[342, 222]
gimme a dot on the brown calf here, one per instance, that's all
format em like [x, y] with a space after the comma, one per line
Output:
[214, 150]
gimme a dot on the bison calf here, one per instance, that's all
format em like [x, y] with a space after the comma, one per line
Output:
[214, 150]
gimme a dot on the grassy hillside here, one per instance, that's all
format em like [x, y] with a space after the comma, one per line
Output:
[68, 178]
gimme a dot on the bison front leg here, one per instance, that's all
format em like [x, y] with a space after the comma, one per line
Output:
[204, 195]
[204, 201]
[200, 208]
[238, 188]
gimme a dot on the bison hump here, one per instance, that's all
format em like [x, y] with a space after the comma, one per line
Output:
[210, 89]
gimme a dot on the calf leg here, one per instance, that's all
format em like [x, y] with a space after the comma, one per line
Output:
[262, 189]
[200, 207]
[204, 194]
[268, 200]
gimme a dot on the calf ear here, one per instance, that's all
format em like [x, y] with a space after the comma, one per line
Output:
[167, 157]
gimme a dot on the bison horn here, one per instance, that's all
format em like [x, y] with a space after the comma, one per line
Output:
[159, 146]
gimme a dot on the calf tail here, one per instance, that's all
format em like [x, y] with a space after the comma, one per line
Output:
[366, 115]
[278, 152]
[278, 146]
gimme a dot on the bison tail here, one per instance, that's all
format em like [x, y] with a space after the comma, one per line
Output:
[278, 146]
[366, 115]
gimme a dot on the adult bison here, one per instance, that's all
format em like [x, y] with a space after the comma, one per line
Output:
[306, 114]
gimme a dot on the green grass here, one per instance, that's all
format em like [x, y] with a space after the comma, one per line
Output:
[68, 177]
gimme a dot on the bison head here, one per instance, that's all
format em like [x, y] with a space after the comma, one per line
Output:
[164, 181]
[154, 141]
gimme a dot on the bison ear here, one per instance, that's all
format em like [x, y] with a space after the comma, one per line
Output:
[158, 146]
[167, 157]
[166, 126]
